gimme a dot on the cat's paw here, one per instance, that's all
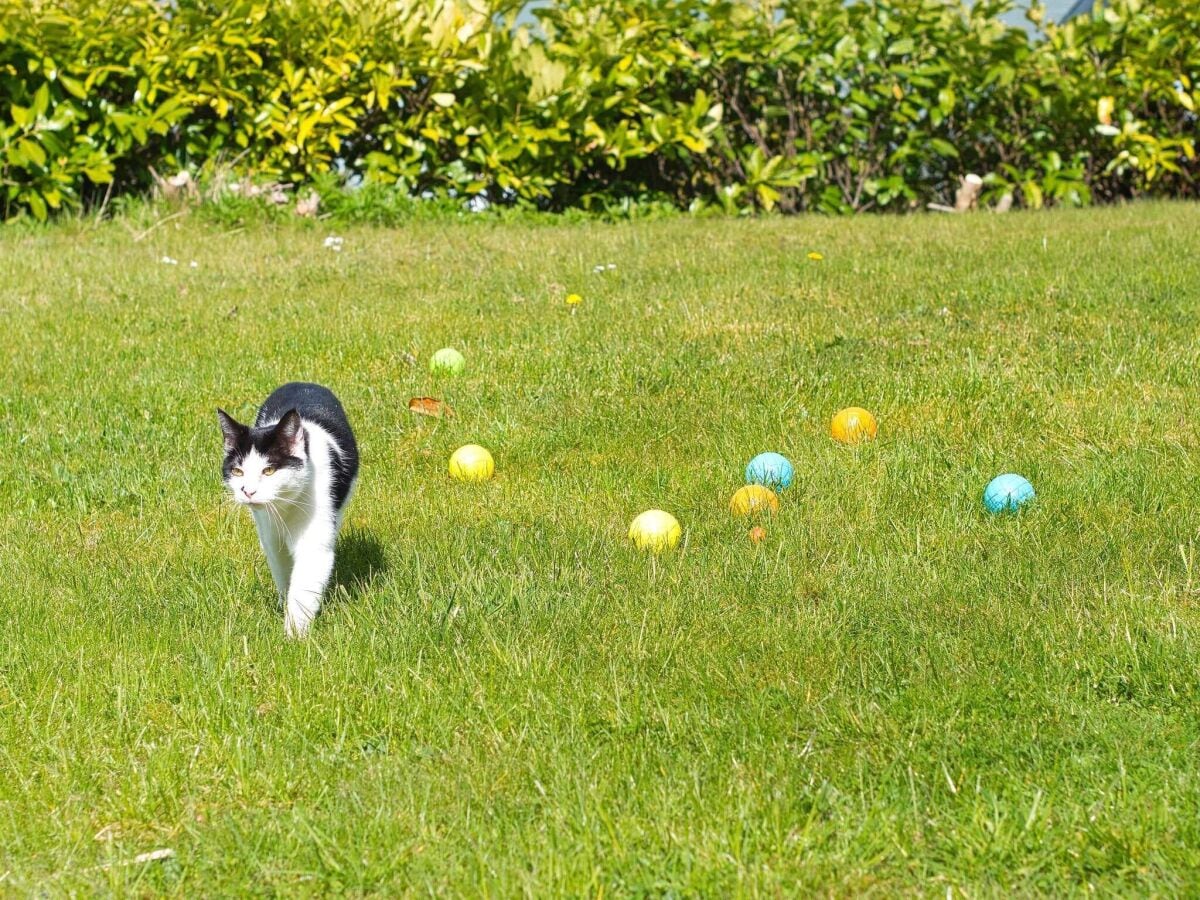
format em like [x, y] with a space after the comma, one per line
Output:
[295, 626]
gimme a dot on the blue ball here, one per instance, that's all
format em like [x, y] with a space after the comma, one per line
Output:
[1007, 492]
[770, 470]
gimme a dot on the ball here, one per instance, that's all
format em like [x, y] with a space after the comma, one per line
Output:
[1006, 493]
[770, 470]
[655, 530]
[447, 361]
[753, 498]
[472, 463]
[853, 424]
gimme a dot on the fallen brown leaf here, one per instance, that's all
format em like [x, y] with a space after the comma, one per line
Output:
[429, 406]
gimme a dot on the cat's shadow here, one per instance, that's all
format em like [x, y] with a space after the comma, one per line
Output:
[358, 562]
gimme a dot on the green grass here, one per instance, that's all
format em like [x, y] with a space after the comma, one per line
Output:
[895, 694]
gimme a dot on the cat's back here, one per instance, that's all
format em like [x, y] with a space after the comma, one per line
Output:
[316, 404]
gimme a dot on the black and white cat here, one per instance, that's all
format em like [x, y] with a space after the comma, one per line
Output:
[295, 469]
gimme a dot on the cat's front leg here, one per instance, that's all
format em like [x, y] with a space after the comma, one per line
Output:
[279, 558]
[311, 568]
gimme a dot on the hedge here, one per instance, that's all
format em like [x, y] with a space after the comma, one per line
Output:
[795, 105]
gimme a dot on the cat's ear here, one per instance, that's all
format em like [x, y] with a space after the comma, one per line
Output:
[289, 433]
[232, 429]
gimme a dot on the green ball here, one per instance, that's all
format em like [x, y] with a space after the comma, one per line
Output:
[447, 361]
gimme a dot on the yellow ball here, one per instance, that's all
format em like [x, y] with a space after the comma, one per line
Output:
[753, 498]
[854, 424]
[655, 530]
[472, 463]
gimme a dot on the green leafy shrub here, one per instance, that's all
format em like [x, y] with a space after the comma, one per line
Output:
[1122, 85]
[74, 115]
[604, 105]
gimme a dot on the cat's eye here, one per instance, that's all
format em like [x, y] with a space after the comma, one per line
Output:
[236, 471]
[269, 470]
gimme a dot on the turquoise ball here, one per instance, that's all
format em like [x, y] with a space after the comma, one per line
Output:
[1006, 493]
[770, 470]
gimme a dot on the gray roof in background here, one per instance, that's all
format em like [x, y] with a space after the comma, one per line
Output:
[1058, 10]
[1080, 6]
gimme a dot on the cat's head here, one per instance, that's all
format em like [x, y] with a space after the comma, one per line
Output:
[264, 464]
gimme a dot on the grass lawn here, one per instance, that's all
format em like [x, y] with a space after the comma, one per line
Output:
[895, 693]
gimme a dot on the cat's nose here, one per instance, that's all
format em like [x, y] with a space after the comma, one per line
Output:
[248, 494]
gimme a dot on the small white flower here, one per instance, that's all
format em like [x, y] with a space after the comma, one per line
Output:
[168, 261]
[334, 243]
[603, 267]
[193, 265]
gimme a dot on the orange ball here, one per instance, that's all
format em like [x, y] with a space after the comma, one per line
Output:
[854, 424]
[758, 534]
[753, 498]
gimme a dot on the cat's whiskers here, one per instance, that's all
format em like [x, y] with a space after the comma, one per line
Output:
[290, 504]
[278, 517]
[289, 501]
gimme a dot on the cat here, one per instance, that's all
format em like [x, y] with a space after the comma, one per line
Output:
[295, 469]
